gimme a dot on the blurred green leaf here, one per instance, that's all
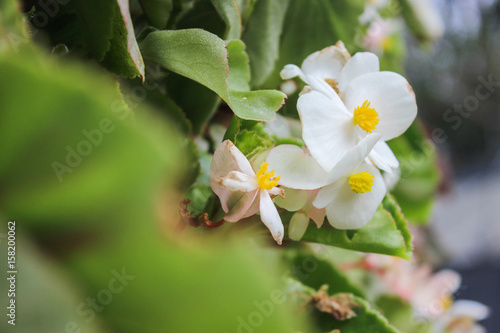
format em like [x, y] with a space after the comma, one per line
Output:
[416, 189]
[315, 273]
[230, 13]
[401, 315]
[262, 37]
[367, 320]
[75, 154]
[202, 56]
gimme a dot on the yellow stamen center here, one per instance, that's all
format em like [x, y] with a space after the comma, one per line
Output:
[361, 182]
[366, 117]
[334, 84]
[446, 302]
[266, 179]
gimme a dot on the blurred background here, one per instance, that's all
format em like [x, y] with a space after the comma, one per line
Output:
[457, 84]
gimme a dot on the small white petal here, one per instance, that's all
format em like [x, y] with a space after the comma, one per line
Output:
[298, 226]
[361, 63]
[351, 210]
[327, 128]
[238, 181]
[270, 217]
[390, 95]
[326, 195]
[296, 169]
[354, 158]
[240, 204]
[326, 63]
[291, 71]
[383, 157]
[279, 127]
[471, 309]
[241, 159]
[226, 158]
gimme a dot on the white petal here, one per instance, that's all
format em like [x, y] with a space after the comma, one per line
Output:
[471, 309]
[351, 210]
[383, 157]
[327, 129]
[240, 204]
[226, 158]
[238, 181]
[293, 201]
[326, 195]
[326, 63]
[298, 226]
[354, 158]
[270, 217]
[279, 127]
[291, 71]
[361, 63]
[241, 159]
[390, 95]
[296, 169]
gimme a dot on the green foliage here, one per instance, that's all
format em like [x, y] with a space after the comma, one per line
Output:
[315, 272]
[202, 56]
[229, 11]
[417, 187]
[157, 12]
[386, 233]
[262, 37]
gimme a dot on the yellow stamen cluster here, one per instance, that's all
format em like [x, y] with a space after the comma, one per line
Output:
[366, 117]
[266, 179]
[361, 182]
[333, 83]
[446, 302]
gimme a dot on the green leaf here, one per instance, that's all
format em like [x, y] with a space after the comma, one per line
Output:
[313, 25]
[230, 13]
[97, 19]
[89, 163]
[157, 12]
[393, 208]
[417, 187]
[367, 320]
[124, 57]
[203, 57]
[381, 235]
[250, 143]
[199, 196]
[197, 101]
[239, 68]
[401, 315]
[323, 273]
[262, 37]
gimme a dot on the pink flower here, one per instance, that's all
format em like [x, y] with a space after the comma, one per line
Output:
[242, 191]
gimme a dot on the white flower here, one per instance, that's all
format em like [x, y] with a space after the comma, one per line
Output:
[372, 102]
[351, 192]
[320, 67]
[358, 99]
[243, 192]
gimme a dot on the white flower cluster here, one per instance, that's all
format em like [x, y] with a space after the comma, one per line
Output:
[348, 110]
